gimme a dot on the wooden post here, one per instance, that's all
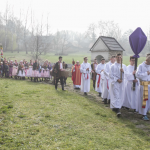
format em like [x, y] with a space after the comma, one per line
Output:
[135, 67]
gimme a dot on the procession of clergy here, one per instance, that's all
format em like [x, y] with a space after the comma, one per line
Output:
[116, 83]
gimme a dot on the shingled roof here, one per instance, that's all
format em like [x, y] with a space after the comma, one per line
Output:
[110, 42]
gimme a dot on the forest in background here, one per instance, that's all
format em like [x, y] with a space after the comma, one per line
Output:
[26, 33]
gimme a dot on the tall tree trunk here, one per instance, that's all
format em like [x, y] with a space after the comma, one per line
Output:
[18, 48]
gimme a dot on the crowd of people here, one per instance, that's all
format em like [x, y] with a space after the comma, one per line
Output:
[33, 69]
[119, 85]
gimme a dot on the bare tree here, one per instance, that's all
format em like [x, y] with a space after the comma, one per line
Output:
[109, 28]
[91, 32]
[6, 15]
[64, 41]
[39, 43]
[25, 31]
[19, 29]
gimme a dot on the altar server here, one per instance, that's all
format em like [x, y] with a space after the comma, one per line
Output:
[117, 84]
[105, 92]
[143, 73]
[131, 93]
[85, 77]
[100, 76]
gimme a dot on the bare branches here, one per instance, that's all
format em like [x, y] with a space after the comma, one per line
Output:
[109, 28]
[91, 32]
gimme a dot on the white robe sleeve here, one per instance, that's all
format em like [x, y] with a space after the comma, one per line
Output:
[129, 75]
[106, 70]
[82, 70]
[139, 72]
[98, 69]
[112, 76]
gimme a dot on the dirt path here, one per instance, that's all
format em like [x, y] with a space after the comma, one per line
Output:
[125, 114]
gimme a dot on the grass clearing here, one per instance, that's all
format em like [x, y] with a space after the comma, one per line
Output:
[36, 116]
[68, 59]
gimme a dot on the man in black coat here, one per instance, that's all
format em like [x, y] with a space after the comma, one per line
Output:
[56, 71]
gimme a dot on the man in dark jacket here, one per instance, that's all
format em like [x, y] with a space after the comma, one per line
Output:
[56, 71]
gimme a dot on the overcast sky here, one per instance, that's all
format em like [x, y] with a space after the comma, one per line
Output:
[76, 15]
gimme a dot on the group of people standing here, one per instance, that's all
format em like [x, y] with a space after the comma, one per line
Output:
[34, 70]
[117, 84]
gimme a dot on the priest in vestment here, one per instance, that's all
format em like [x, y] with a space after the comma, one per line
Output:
[143, 73]
[85, 69]
[117, 85]
[93, 66]
[76, 76]
[131, 94]
[100, 76]
[105, 92]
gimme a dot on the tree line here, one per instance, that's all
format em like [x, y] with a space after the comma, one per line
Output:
[25, 33]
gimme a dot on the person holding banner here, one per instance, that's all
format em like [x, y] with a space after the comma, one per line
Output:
[85, 77]
[131, 94]
[105, 92]
[143, 73]
[116, 87]
[100, 76]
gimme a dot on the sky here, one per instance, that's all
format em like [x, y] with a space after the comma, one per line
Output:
[77, 15]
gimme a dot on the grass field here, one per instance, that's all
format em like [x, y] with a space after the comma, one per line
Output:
[68, 59]
[35, 116]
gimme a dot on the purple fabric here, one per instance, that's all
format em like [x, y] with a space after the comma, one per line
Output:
[137, 41]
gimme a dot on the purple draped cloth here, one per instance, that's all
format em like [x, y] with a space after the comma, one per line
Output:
[137, 41]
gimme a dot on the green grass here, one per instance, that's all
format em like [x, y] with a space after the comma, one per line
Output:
[68, 59]
[36, 116]
[50, 57]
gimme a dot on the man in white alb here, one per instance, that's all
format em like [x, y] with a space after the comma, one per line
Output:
[105, 93]
[100, 76]
[143, 73]
[85, 69]
[117, 85]
[131, 93]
